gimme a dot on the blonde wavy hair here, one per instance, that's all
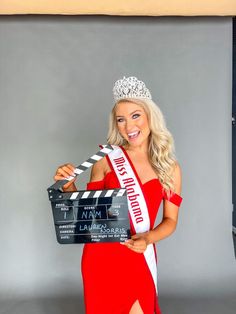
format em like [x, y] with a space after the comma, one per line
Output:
[161, 143]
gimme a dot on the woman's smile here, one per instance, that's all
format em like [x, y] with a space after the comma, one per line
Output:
[133, 135]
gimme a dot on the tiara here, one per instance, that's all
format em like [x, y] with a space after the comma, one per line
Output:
[130, 87]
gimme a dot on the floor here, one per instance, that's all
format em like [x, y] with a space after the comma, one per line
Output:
[169, 305]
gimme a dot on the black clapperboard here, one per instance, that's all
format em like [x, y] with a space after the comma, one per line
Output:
[89, 216]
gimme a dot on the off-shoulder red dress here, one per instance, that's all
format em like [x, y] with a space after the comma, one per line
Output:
[114, 277]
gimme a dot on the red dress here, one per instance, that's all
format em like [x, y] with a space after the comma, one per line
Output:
[114, 277]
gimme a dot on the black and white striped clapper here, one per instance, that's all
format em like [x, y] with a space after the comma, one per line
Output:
[89, 216]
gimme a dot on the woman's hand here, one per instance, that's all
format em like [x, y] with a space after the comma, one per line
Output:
[64, 172]
[138, 242]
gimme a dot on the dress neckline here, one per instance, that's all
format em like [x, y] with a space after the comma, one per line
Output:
[143, 184]
[132, 165]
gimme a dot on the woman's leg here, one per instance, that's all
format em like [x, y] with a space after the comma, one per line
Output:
[136, 308]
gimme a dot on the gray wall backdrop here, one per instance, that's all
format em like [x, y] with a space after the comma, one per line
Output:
[56, 78]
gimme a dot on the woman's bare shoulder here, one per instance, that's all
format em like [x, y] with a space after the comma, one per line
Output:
[177, 169]
[99, 170]
[177, 177]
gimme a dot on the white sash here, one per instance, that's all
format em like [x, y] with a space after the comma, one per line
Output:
[136, 202]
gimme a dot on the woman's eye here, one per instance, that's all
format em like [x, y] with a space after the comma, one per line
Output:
[120, 120]
[135, 116]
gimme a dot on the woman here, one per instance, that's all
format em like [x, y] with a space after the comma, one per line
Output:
[120, 278]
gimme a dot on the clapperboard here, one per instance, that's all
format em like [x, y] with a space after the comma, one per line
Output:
[89, 216]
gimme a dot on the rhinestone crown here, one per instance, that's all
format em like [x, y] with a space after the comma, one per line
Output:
[130, 87]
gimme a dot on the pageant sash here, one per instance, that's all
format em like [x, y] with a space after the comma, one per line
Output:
[136, 202]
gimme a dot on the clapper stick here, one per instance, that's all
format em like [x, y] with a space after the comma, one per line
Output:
[84, 166]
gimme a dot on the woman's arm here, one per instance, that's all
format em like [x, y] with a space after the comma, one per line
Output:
[170, 214]
[67, 170]
[98, 170]
[139, 242]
